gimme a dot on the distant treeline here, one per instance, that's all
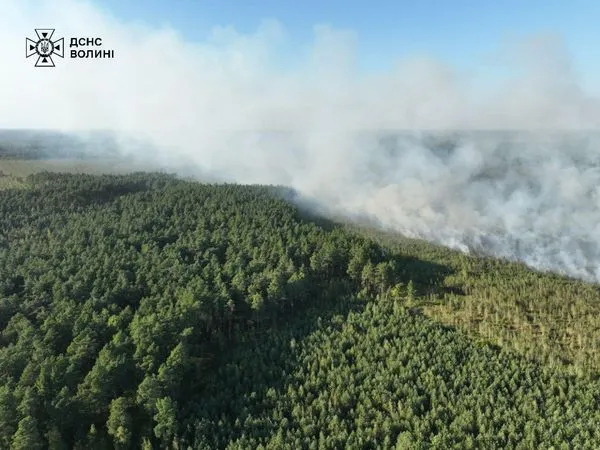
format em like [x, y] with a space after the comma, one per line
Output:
[22, 144]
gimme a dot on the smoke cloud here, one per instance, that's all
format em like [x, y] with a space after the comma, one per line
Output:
[422, 148]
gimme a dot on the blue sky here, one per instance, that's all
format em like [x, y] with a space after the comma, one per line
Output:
[455, 31]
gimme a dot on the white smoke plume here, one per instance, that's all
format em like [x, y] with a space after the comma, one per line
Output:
[356, 143]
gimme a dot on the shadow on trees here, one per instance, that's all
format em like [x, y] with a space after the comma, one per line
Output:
[248, 376]
[86, 190]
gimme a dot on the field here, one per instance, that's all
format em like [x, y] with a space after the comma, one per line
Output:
[14, 171]
[144, 311]
[19, 168]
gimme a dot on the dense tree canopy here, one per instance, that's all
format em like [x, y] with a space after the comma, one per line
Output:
[143, 311]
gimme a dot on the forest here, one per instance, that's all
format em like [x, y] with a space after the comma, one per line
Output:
[145, 311]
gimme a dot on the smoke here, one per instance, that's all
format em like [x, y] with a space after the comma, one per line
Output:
[422, 148]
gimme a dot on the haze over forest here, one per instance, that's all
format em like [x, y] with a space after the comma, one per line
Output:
[524, 196]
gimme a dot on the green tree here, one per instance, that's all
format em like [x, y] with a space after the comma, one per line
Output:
[165, 420]
[119, 424]
[28, 436]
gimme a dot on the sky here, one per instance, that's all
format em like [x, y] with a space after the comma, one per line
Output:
[281, 64]
[464, 33]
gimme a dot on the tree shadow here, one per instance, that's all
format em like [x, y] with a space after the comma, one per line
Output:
[239, 395]
[83, 190]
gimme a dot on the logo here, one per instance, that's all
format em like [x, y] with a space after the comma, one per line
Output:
[44, 47]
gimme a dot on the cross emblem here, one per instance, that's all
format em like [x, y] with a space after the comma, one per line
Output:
[44, 47]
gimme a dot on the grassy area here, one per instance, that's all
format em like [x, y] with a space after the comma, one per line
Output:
[14, 171]
[23, 167]
[544, 316]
